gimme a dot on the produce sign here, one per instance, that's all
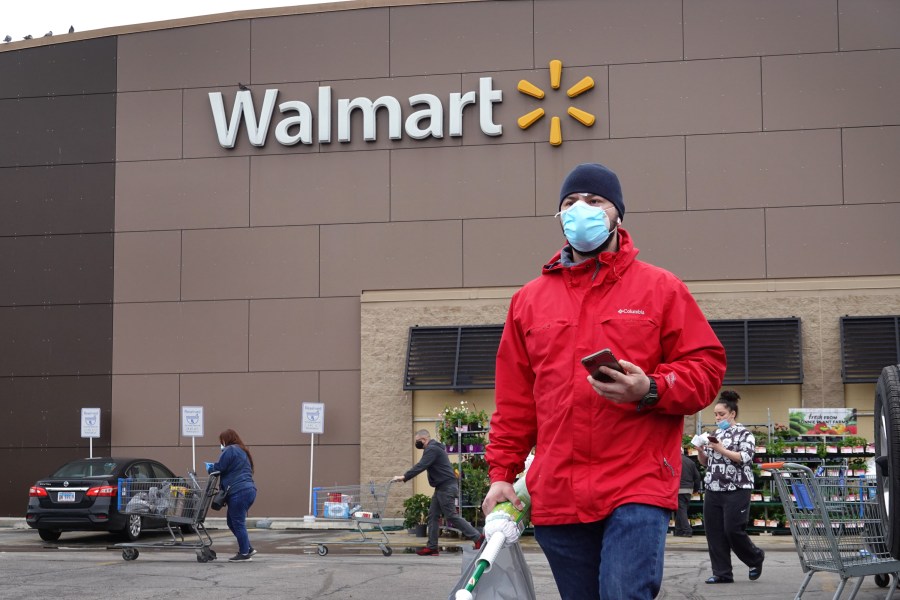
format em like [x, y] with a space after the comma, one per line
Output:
[822, 421]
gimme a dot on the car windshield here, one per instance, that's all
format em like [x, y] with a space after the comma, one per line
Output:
[86, 468]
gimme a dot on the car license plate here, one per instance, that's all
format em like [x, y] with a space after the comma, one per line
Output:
[65, 497]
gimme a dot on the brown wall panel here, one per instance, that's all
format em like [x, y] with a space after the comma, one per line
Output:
[650, 171]
[304, 334]
[869, 24]
[330, 187]
[585, 32]
[749, 170]
[841, 89]
[259, 262]
[182, 194]
[701, 96]
[60, 199]
[203, 55]
[528, 244]
[832, 241]
[83, 67]
[180, 337]
[725, 28]
[148, 266]
[461, 37]
[339, 391]
[337, 45]
[55, 340]
[58, 130]
[457, 183]
[146, 411]
[56, 269]
[390, 256]
[704, 244]
[148, 125]
[871, 164]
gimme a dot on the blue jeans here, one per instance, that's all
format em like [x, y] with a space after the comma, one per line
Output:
[239, 503]
[628, 567]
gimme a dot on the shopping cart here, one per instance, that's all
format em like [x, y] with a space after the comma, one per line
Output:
[837, 524]
[362, 505]
[183, 504]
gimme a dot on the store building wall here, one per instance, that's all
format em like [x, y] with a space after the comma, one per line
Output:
[757, 143]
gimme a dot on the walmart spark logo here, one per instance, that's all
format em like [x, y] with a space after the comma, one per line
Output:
[528, 88]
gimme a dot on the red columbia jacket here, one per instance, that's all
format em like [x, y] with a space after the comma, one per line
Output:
[593, 455]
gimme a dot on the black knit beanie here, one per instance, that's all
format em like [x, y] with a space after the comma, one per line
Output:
[593, 178]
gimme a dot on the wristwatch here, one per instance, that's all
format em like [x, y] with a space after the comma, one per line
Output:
[650, 398]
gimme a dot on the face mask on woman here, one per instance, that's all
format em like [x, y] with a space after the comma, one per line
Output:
[723, 424]
[585, 226]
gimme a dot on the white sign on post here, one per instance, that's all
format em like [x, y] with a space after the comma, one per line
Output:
[313, 418]
[192, 421]
[90, 422]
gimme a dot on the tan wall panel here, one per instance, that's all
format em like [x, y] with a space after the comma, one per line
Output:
[871, 164]
[758, 404]
[528, 244]
[304, 334]
[555, 104]
[339, 391]
[201, 139]
[650, 171]
[703, 96]
[264, 408]
[842, 89]
[832, 241]
[390, 256]
[345, 44]
[861, 396]
[216, 54]
[723, 28]
[456, 183]
[268, 262]
[182, 194]
[869, 24]
[461, 37]
[148, 125]
[764, 169]
[333, 187]
[148, 266]
[180, 337]
[703, 245]
[581, 32]
[145, 411]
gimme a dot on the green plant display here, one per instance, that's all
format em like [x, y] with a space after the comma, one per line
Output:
[415, 510]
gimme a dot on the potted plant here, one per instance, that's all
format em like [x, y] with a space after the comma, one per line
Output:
[415, 514]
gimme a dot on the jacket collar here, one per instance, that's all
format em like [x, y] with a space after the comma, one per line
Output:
[618, 261]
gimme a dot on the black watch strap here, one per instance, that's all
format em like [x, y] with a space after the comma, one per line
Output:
[650, 398]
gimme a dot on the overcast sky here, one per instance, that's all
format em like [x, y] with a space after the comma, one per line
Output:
[19, 18]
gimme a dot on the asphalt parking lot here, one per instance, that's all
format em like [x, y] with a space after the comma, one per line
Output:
[86, 565]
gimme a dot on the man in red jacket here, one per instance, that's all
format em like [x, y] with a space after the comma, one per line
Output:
[607, 461]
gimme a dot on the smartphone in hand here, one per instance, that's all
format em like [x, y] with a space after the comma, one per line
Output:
[603, 358]
[713, 439]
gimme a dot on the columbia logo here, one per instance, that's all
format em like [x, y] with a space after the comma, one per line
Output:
[630, 311]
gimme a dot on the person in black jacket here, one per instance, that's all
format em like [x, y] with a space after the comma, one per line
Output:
[690, 483]
[442, 478]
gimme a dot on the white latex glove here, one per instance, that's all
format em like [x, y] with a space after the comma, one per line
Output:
[700, 440]
[499, 522]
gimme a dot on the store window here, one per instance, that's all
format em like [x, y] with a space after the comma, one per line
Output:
[761, 351]
[868, 344]
[452, 358]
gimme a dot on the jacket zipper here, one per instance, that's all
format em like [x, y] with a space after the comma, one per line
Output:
[668, 466]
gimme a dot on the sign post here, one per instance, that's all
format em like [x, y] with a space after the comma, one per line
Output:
[192, 426]
[90, 426]
[313, 422]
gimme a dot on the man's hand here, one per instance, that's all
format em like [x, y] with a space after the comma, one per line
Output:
[398, 479]
[500, 491]
[630, 386]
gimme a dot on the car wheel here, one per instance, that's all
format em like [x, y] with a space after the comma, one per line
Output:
[133, 528]
[49, 535]
[887, 452]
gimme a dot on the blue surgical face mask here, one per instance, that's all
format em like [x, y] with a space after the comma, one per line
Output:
[723, 424]
[585, 226]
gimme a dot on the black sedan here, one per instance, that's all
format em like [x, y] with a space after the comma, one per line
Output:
[83, 496]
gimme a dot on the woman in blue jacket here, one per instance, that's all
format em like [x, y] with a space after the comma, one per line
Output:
[235, 466]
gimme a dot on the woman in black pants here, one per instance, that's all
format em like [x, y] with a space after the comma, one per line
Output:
[726, 504]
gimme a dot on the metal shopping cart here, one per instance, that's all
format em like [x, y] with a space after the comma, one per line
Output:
[837, 524]
[183, 504]
[362, 505]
